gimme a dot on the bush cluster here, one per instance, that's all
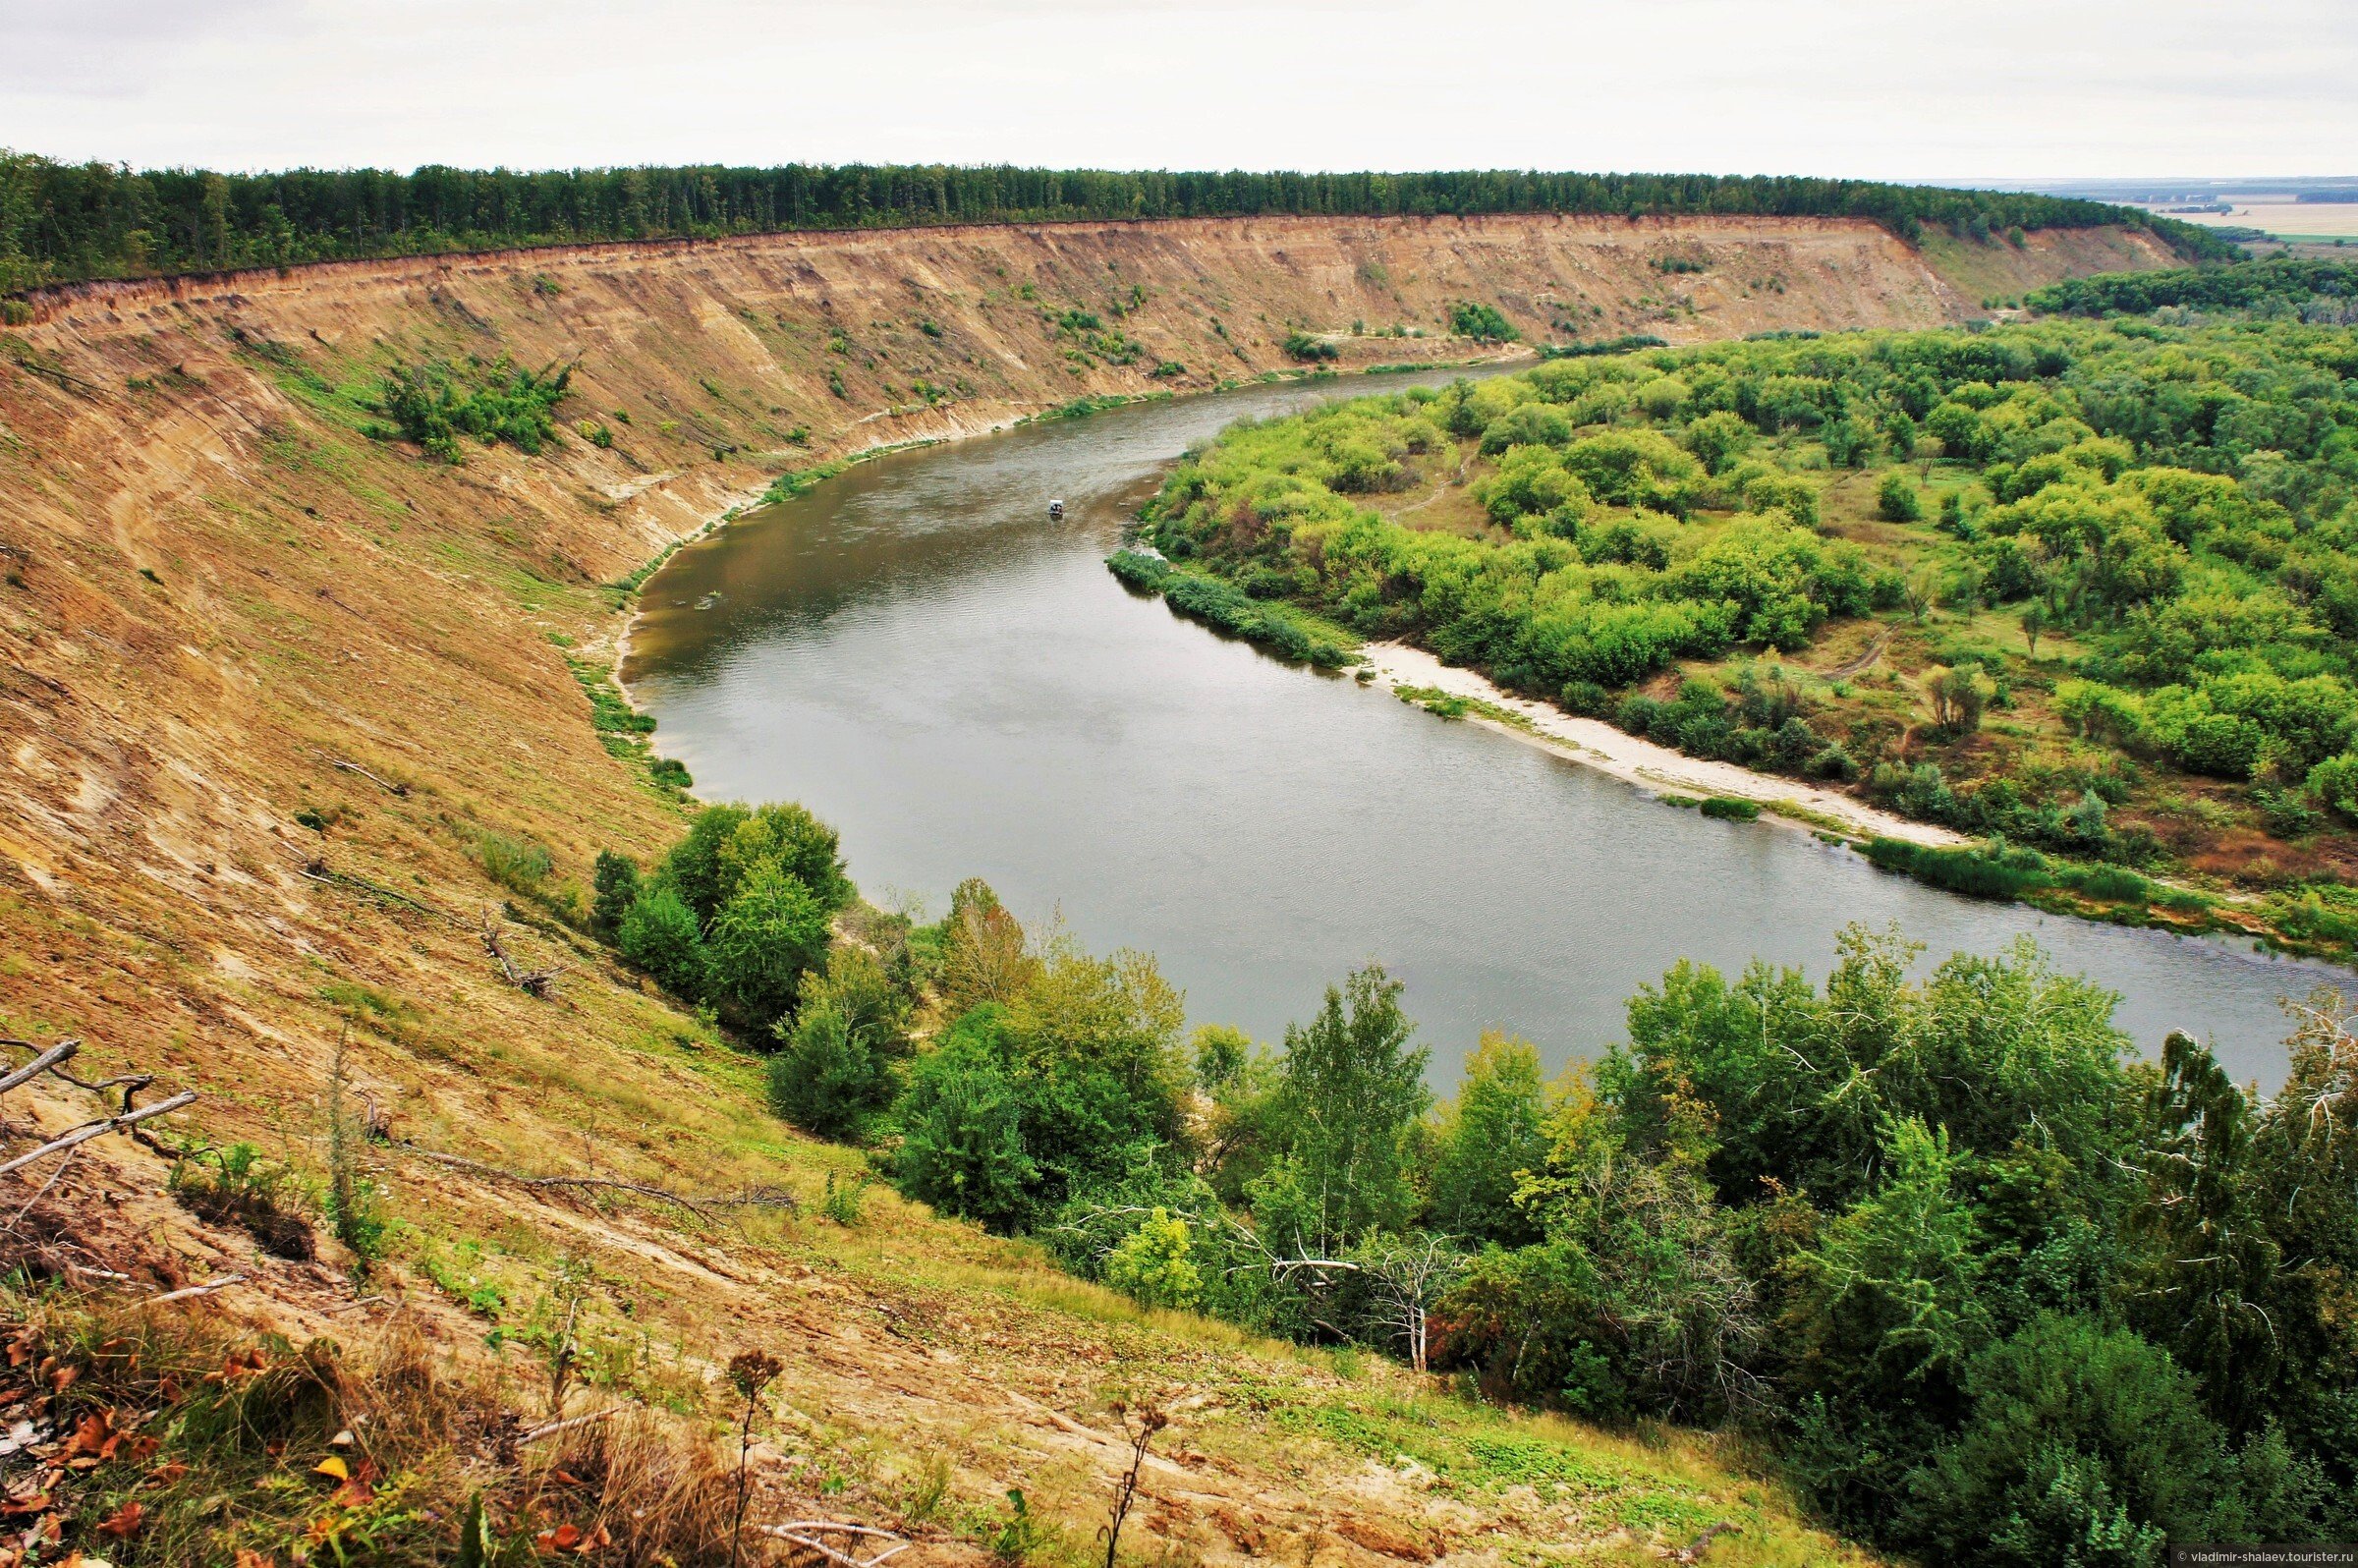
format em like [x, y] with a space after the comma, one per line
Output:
[436, 404]
[2179, 501]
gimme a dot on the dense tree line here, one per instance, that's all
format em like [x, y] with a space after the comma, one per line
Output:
[62, 222]
[2283, 279]
[2176, 503]
[1994, 1291]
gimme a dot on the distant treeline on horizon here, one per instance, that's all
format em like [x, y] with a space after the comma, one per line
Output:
[62, 223]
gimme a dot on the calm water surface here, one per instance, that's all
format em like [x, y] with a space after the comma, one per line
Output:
[917, 654]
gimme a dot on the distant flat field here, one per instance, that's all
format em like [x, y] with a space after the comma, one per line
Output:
[2329, 220]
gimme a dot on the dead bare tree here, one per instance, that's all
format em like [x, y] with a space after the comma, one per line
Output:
[1409, 1274]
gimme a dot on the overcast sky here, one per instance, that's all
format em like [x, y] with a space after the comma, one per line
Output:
[1894, 89]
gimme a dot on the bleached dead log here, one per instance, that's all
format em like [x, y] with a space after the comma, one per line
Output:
[97, 1129]
[188, 1291]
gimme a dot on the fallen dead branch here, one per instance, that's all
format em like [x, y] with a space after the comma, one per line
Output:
[1693, 1551]
[53, 1062]
[532, 982]
[62, 1052]
[387, 785]
[701, 1208]
[805, 1534]
[318, 871]
[97, 1129]
[550, 1428]
[187, 1291]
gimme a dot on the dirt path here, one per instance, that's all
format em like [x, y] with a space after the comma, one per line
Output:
[1597, 745]
[1863, 662]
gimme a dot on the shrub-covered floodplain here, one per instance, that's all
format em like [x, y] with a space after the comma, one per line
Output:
[2085, 588]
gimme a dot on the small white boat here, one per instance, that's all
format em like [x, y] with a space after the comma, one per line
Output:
[1055, 510]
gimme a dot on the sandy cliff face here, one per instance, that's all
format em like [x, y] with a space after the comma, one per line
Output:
[218, 589]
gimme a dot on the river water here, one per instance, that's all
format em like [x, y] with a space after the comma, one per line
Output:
[916, 653]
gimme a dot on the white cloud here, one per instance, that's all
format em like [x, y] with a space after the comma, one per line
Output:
[1992, 88]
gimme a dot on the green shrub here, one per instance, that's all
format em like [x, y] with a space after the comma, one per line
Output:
[1483, 323]
[2085, 1444]
[660, 935]
[835, 1072]
[614, 885]
[1309, 350]
[1978, 873]
[962, 1140]
[1897, 500]
[241, 1186]
[842, 1201]
[1730, 809]
[436, 404]
[520, 865]
[1139, 569]
[1150, 1265]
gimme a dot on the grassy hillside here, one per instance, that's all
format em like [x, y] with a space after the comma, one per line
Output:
[2076, 590]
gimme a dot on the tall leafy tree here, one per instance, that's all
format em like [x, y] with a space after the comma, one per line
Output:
[1489, 1140]
[1352, 1085]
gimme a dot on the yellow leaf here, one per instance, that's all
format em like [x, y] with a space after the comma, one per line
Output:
[334, 1466]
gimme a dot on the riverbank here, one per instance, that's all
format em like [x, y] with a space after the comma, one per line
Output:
[1635, 761]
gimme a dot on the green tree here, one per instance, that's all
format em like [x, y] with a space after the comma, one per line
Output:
[692, 867]
[789, 836]
[771, 930]
[1489, 1137]
[962, 1144]
[1889, 1307]
[2210, 1291]
[1352, 1086]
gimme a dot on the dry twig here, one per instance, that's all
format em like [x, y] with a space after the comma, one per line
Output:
[206, 1289]
[697, 1206]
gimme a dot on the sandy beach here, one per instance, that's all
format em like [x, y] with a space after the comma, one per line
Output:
[1635, 761]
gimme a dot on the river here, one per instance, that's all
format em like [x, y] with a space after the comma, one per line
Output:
[918, 655]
